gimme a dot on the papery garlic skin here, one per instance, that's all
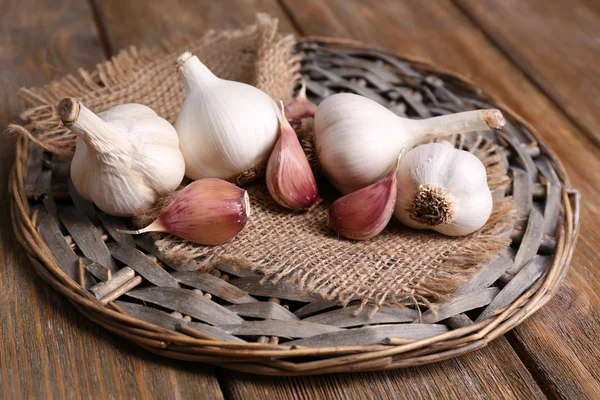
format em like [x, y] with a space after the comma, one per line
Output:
[443, 189]
[358, 140]
[125, 158]
[225, 128]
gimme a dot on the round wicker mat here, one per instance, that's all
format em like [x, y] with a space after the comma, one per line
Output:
[228, 318]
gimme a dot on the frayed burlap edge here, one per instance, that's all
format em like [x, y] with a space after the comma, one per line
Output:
[43, 126]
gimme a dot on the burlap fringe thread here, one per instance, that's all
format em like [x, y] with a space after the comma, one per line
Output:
[398, 267]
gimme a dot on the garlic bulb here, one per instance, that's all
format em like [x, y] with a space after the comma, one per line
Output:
[226, 129]
[443, 189]
[208, 211]
[357, 140]
[124, 158]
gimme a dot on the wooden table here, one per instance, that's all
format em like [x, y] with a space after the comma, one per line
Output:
[539, 56]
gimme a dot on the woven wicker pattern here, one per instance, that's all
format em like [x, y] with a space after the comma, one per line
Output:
[400, 266]
[228, 318]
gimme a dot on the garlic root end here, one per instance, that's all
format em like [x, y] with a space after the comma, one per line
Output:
[182, 59]
[68, 110]
[431, 206]
[493, 118]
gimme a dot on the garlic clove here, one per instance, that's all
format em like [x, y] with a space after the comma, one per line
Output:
[208, 211]
[290, 179]
[300, 108]
[363, 214]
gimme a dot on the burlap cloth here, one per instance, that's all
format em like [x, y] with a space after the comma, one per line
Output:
[400, 266]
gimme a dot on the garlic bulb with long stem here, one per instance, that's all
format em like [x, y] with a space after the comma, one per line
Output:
[357, 140]
[125, 158]
[443, 189]
[226, 129]
[208, 211]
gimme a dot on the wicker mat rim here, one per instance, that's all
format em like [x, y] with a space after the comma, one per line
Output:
[188, 344]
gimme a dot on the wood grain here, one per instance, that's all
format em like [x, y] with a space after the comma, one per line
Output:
[140, 22]
[555, 44]
[152, 23]
[441, 33]
[488, 373]
[47, 349]
[96, 364]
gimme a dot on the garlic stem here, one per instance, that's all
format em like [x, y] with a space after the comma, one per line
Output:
[192, 71]
[464, 122]
[86, 125]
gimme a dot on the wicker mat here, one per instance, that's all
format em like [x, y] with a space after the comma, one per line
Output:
[400, 266]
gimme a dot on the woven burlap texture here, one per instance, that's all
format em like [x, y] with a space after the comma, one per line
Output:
[257, 55]
[400, 266]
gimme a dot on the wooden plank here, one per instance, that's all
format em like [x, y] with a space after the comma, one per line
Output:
[264, 310]
[291, 329]
[466, 377]
[138, 22]
[554, 43]
[344, 317]
[187, 302]
[86, 236]
[47, 348]
[215, 286]
[564, 361]
[449, 40]
[371, 335]
[142, 264]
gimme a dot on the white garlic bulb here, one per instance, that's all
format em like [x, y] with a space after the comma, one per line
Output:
[125, 158]
[226, 128]
[443, 189]
[358, 140]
